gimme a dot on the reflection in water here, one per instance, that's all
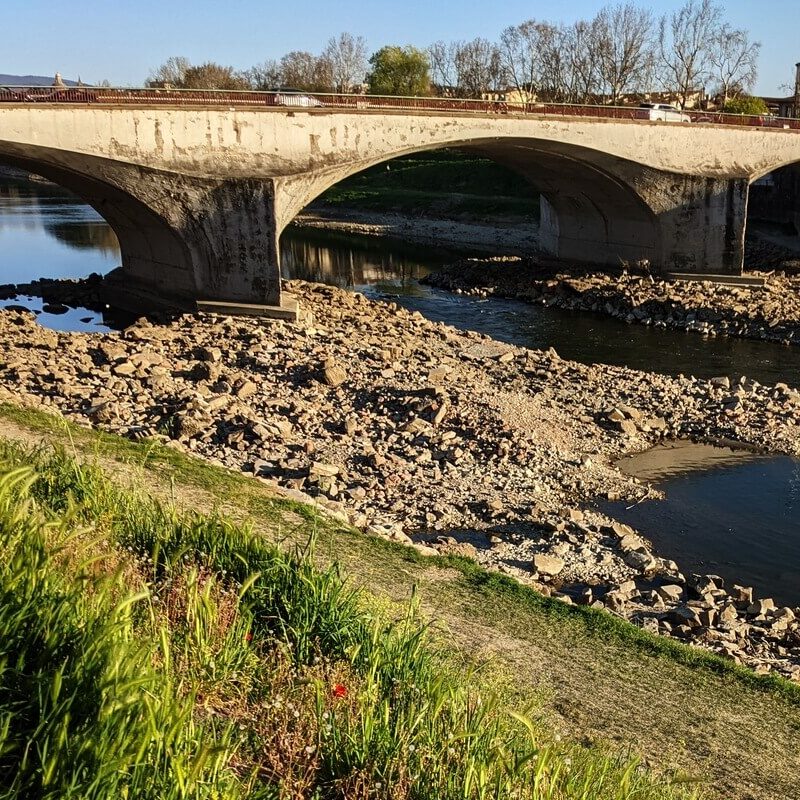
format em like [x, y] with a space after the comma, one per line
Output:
[354, 262]
[87, 235]
[679, 457]
[47, 232]
[36, 220]
[30, 204]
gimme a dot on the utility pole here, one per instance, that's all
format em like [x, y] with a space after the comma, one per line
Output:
[797, 90]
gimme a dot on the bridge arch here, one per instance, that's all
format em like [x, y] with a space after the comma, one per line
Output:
[154, 254]
[773, 213]
[592, 213]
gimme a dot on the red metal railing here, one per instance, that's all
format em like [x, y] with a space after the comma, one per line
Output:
[253, 99]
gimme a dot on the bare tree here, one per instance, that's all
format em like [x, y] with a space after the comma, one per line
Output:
[304, 70]
[517, 46]
[734, 61]
[441, 57]
[347, 57]
[478, 67]
[171, 73]
[265, 76]
[579, 42]
[555, 62]
[623, 37]
[686, 37]
[529, 56]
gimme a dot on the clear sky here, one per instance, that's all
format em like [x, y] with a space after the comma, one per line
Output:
[121, 40]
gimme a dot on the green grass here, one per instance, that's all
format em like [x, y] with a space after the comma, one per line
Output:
[151, 652]
[445, 183]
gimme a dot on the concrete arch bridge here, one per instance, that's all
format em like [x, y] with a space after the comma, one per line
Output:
[198, 196]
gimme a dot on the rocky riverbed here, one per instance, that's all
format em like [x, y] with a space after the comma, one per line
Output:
[769, 311]
[449, 441]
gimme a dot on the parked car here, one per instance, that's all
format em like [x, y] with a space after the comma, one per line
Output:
[297, 99]
[663, 112]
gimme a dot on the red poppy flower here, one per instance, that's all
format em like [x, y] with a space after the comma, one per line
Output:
[248, 637]
[339, 690]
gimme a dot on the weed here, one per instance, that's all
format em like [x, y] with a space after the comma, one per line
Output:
[147, 652]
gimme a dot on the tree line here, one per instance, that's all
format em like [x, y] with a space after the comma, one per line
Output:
[624, 50]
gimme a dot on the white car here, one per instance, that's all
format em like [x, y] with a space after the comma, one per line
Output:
[663, 112]
[297, 100]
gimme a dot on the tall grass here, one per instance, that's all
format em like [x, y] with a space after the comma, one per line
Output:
[148, 652]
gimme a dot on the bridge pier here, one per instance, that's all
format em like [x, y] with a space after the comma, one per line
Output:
[691, 224]
[183, 239]
[702, 223]
[222, 237]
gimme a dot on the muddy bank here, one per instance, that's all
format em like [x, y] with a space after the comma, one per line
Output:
[495, 237]
[769, 312]
[413, 430]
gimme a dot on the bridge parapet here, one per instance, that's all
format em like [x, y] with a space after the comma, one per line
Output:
[198, 98]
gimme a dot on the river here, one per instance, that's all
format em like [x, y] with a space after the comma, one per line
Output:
[45, 232]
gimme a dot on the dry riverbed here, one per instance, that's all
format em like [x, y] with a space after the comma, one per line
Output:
[446, 440]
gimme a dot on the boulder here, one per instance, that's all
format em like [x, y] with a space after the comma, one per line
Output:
[322, 470]
[640, 559]
[671, 592]
[548, 565]
[759, 608]
[333, 374]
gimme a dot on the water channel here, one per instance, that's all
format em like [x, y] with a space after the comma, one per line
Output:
[738, 518]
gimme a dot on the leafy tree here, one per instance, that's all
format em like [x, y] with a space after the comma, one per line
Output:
[178, 72]
[746, 104]
[399, 71]
[214, 76]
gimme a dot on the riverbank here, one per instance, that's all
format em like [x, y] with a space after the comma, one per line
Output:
[386, 419]
[515, 237]
[768, 312]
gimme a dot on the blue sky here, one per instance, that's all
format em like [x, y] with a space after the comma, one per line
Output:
[121, 40]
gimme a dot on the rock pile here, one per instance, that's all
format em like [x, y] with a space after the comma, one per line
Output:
[770, 312]
[410, 429]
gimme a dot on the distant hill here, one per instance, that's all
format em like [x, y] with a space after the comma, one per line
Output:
[31, 80]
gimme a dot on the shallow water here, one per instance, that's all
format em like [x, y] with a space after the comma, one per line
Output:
[727, 512]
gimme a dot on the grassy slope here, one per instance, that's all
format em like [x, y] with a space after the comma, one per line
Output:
[594, 677]
[444, 183]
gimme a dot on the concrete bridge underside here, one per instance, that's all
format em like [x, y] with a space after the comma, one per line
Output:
[198, 197]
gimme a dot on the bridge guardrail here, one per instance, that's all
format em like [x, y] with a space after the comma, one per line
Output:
[251, 99]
